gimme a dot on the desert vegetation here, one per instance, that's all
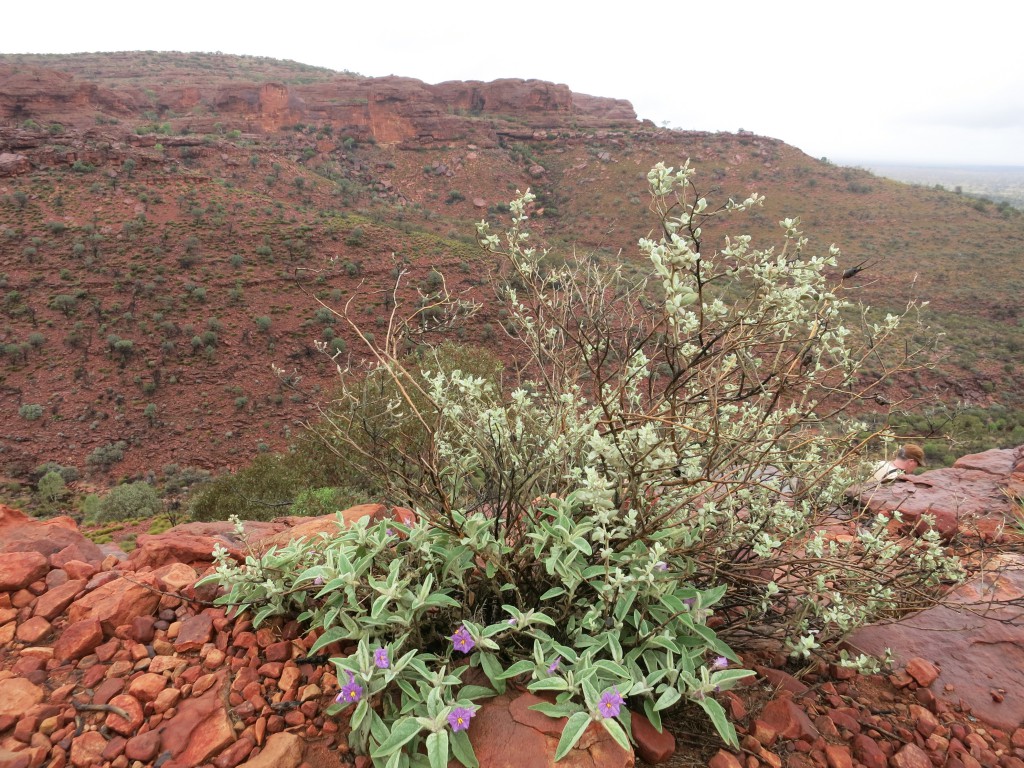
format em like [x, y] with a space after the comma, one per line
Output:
[607, 522]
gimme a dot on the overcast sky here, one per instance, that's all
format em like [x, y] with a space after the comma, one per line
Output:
[895, 81]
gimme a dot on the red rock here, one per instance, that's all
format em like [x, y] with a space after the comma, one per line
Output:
[10, 759]
[21, 533]
[788, 720]
[115, 746]
[173, 547]
[132, 708]
[502, 721]
[723, 759]
[652, 746]
[924, 721]
[18, 695]
[194, 633]
[86, 750]
[838, 756]
[82, 551]
[117, 602]
[781, 680]
[911, 756]
[174, 577]
[923, 671]
[198, 732]
[992, 639]
[55, 577]
[867, 751]
[143, 747]
[1017, 739]
[235, 754]
[166, 699]
[19, 569]
[282, 750]
[107, 690]
[142, 629]
[147, 686]
[278, 651]
[33, 630]
[763, 733]
[54, 601]
[77, 569]
[78, 639]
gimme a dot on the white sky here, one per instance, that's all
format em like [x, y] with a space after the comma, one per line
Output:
[886, 81]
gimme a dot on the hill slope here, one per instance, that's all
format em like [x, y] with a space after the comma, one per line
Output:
[169, 224]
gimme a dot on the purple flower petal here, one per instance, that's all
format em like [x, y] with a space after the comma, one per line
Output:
[553, 666]
[610, 703]
[462, 640]
[459, 718]
[380, 658]
[351, 692]
[720, 663]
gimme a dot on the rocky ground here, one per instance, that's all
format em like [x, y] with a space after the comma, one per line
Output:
[114, 660]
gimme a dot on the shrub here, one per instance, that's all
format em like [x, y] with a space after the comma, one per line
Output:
[261, 491]
[107, 455]
[51, 488]
[667, 464]
[67, 474]
[31, 412]
[123, 502]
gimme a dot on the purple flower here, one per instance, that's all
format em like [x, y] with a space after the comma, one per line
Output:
[688, 602]
[513, 621]
[459, 718]
[319, 580]
[351, 692]
[389, 532]
[610, 703]
[380, 658]
[462, 640]
[553, 666]
[661, 565]
[720, 663]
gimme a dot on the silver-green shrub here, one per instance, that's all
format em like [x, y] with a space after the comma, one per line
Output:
[648, 493]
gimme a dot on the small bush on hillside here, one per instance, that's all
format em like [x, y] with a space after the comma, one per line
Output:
[67, 474]
[31, 412]
[107, 455]
[123, 502]
[51, 489]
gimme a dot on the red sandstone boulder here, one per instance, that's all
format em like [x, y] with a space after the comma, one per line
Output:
[975, 650]
[326, 525]
[18, 695]
[52, 602]
[78, 639]
[117, 602]
[21, 533]
[19, 569]
[969, 496]
[504, 721]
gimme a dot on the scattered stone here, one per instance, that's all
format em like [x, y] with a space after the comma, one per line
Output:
[78, 639]
[652, 746]
[923, 671]
[282, 750]
[788, 720]
[18, 695]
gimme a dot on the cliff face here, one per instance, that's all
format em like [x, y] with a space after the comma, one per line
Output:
[36, 92]
[389, 110]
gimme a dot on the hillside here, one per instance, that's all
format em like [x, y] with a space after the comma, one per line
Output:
[170, 223]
